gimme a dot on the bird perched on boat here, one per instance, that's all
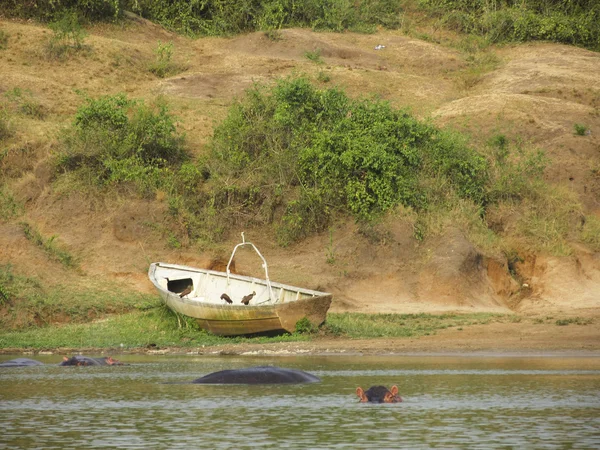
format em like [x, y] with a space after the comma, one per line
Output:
[226, 298]
[246, 299]
[186, 291]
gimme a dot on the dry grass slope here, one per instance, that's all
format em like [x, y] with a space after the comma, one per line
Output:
[532, 93]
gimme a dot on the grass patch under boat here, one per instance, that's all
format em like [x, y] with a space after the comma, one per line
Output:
[158, 327]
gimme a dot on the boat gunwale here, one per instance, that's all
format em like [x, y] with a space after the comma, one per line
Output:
[204, 304]
[316, 295]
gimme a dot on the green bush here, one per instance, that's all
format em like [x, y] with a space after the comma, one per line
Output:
[574, 22]
[163, 65]
[304, 326]
[115, 140]
[301, 154]
[47, 10]
[222, 17]
[580, 129]
[68, 34]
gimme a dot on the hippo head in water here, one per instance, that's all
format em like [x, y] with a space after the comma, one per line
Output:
[258, 375]
[379, 394]
[78, 360]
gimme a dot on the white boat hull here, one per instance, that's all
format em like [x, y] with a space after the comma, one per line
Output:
[274, 307]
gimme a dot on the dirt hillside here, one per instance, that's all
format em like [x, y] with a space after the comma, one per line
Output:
[537, 92]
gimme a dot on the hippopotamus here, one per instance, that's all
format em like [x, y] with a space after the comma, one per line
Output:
[258, 375]
[379, 394]
[78, 360]
[21, 362]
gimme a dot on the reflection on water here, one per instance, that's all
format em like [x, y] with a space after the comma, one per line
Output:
[449, 403]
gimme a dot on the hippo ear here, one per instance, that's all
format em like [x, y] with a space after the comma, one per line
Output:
[361, 394]
[394, 390]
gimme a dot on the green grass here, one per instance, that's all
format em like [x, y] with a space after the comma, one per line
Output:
[9, 206]
[156, 326]
[5, 128]
[590, 232]
[3, 40]
[360, 326]
[147, 323]
[22, 101]
[29, 302]
[575, 321]
[49, 245]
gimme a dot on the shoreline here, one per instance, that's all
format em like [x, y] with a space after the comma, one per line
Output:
[494, 340]
[496, 353]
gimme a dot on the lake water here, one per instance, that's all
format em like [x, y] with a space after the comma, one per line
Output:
[450, 402]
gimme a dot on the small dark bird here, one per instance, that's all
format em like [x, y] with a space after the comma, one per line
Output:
[226, 298]
[186, 291]
[246, 299]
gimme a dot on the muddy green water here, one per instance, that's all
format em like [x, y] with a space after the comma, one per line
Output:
[449, 403]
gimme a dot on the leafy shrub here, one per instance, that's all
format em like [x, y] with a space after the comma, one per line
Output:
[163, 64]
[580, 129]
[222, 17]
[68, 34]
[116, 140]
[574, 22]
[314, 56]
[50, 9]
[305, 326]
[302, 154]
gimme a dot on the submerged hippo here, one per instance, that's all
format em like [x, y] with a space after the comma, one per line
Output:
[78, 360]
[379, 394]
[21, 362]
[258, 375]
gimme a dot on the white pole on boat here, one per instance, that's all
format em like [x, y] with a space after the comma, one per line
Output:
[264, 264]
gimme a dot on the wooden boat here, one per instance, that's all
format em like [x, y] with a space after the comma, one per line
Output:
[197, 293]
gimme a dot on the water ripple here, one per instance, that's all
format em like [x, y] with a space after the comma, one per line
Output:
[448, 407]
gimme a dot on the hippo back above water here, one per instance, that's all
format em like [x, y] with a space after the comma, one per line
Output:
[79, 360]
[21, 362]
[258, 375]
